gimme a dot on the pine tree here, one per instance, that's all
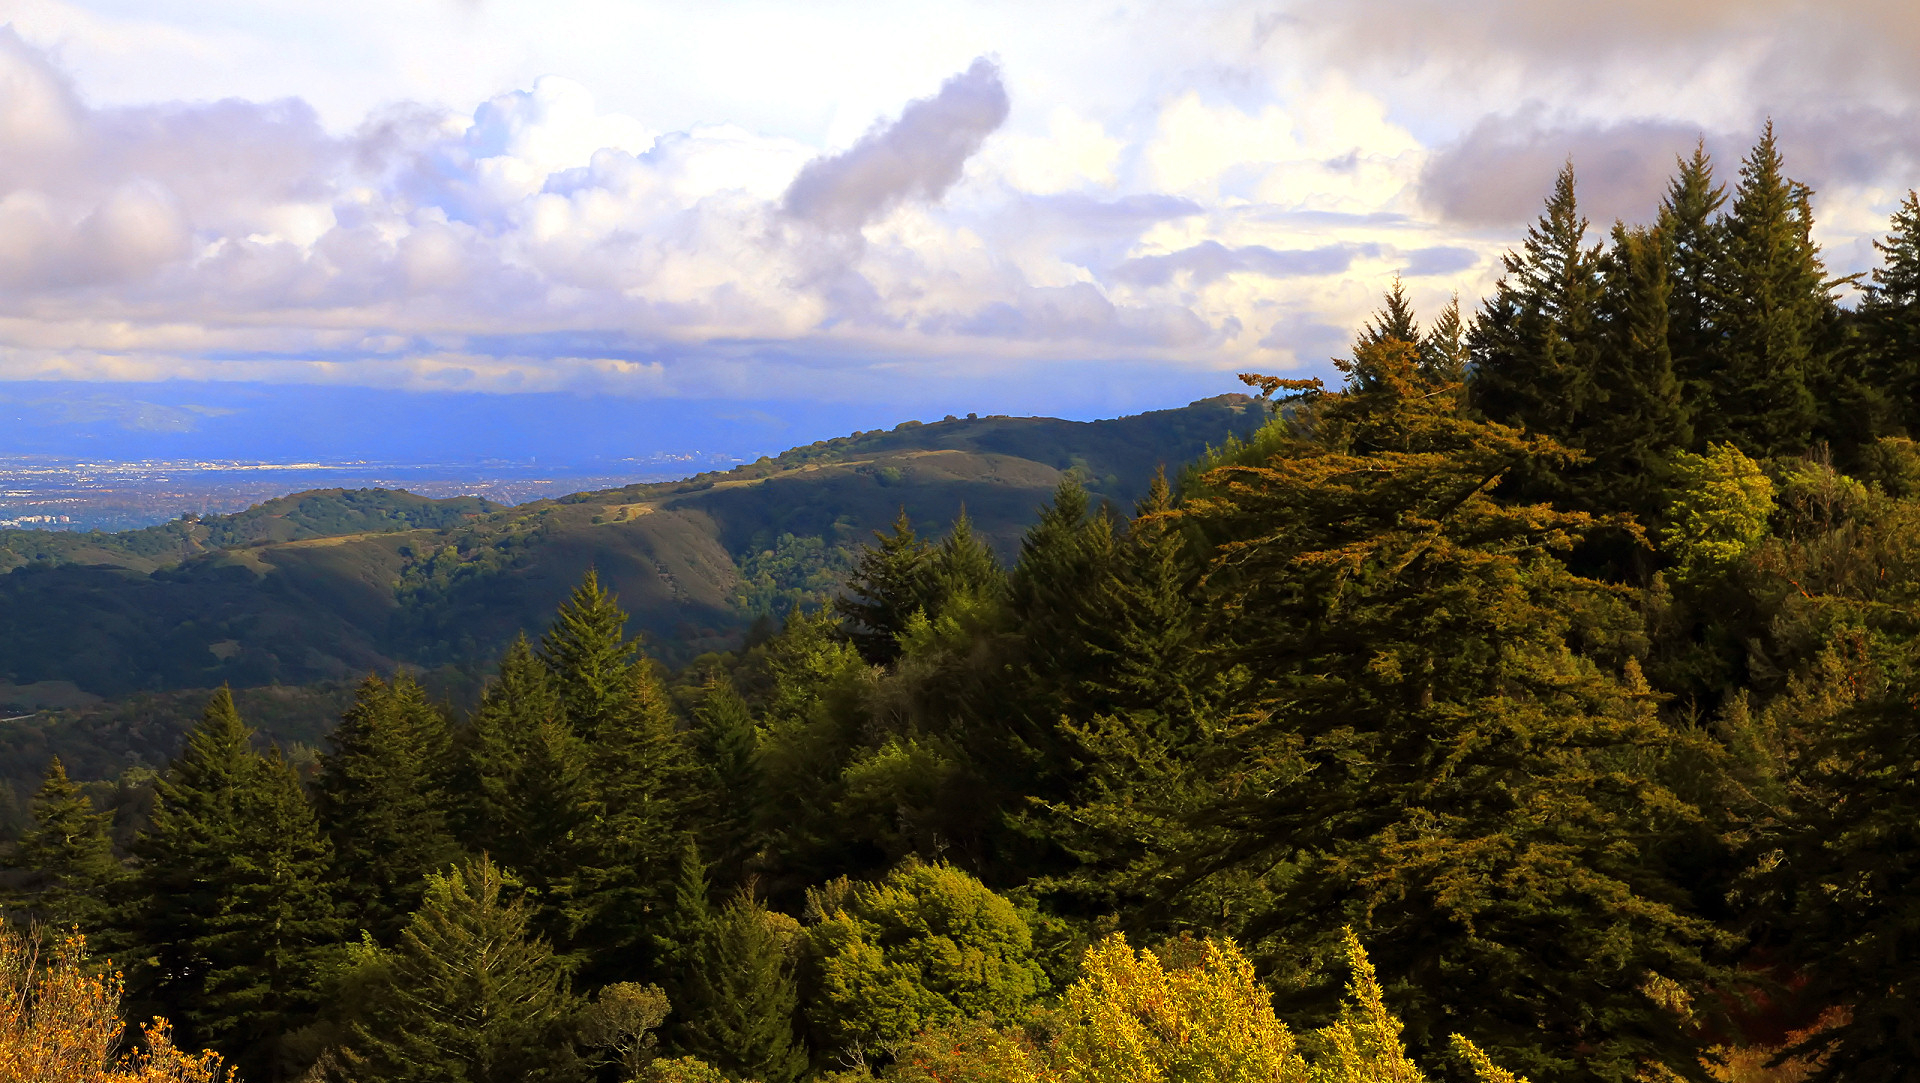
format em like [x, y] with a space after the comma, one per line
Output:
[1695, 237]
[1890, 319]
[383, 798]
[524, 781]
[70, 852]
[1443, 354]
[1773, 314]
[1422, 750]
[276, 921]
[1637, 417]
[1533, 345]
[234, 900]
[886, 588]
[961, 570]
[1393, 323]
[725, 744]
[741, 999]
[590, 658]
[469, 994]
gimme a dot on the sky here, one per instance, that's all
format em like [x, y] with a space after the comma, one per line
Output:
[832, 214]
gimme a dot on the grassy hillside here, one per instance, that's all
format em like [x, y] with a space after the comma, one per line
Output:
[329, 585]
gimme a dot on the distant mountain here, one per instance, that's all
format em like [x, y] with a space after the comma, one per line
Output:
[331, 584]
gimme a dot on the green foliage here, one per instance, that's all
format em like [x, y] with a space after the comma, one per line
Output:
[740, 1000]
[1421, 735]
[70, 854]
[468, 994]
[926, 945]
[232, 909]
[384, 801]
[794, 573]
[1721, 504]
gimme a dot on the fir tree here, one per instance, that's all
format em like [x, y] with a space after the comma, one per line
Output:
[70, 853]
[1773, 313]
[276, 921]
[1444, 355]
[887, 587]
[1695, 238]
[1637, 417]
[725, 743]
[740, 997]
[1394, 322]
[1533, 345]
[1418, 738]
[234, 900]
[469, 994]
[961, 570]
[590, 658]
[1890, 319]
[384, 801]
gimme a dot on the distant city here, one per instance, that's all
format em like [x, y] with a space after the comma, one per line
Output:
[43, 493]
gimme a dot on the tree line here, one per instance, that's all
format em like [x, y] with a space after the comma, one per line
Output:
[1564, 655]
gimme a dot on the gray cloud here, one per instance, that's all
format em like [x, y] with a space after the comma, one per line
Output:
[1502, 170]
[1438, 260]
[1209, 261]
[918, 156]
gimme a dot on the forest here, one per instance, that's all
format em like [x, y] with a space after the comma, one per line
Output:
[1542, 701]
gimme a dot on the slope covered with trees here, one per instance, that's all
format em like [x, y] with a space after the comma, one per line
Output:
[1566, 657]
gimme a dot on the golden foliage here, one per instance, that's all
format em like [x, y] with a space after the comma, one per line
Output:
[60, 1023]
[1132, 1018]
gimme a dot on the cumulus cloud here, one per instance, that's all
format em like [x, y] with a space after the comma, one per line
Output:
[918, 156]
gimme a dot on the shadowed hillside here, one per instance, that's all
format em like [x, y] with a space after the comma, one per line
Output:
[331, 584]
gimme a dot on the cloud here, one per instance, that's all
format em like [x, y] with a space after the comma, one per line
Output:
[919, 156]
[1210, 260]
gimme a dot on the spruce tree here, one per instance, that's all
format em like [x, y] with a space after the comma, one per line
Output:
[233, 903]
[740, 997]
[1890, 319]
[276, 921]
[524, 782]
[1423, 751]
[1444, 355]
[887, 586]
[961, 570]
[590, 658]
[470, 994]
[1533, 345]
[1695, 238]
[725, 745]
[1773, 314]
[1637, 417]
[383, 798]
[1394, 322]
[69, 852]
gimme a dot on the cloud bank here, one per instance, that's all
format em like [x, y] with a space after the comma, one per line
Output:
[943, 192]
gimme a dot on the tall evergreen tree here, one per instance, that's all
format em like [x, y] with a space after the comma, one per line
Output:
[725, 744]
[1423, 751]
[469, 995]
[961, 567]
[383, 798]
[1890, 319]
[1444, 355]
[1695, 237]
[1533, 345]
[1774, 314]
[590, 658]
[234, 898]
[1637, 417]
[524, 782]
[69, 851]
[1394, 322]
[740, 997]
[887, 587]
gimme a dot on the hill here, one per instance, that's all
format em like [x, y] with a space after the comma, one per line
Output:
[332, 584]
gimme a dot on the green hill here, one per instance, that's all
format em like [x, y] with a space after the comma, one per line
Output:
[331, 584]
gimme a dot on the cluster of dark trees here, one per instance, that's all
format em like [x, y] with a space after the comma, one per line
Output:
[1569, 654]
